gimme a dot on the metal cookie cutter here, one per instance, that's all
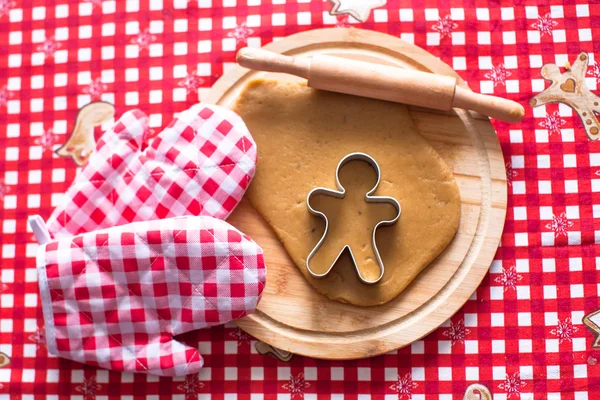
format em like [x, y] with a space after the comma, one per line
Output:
[340, 194]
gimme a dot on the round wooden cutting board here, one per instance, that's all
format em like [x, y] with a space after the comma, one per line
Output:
[292, 316]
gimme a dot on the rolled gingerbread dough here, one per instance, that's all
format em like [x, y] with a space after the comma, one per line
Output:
[301, 135]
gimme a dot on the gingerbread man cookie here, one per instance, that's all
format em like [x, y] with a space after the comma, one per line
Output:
[569, 88]
[81, 142]
[338, 236]
[592, 322]
[477, 391]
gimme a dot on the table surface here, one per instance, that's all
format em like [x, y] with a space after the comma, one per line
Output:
[521, 335]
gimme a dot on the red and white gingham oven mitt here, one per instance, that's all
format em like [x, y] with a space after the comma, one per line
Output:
[140, 253]
[116, 297]
[201, 164]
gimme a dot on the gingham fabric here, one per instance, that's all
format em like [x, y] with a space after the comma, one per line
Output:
[115, 298]
[201, 164]
[521, 334]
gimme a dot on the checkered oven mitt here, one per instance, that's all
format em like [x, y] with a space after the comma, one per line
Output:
[116, 297]
[122, 276]
[201, 164]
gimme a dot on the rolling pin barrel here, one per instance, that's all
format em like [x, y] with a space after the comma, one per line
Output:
[381, 82]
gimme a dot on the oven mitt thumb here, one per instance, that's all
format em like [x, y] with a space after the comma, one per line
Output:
[201, 164]
[116, 298]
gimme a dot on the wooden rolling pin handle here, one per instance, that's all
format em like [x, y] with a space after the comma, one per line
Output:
[264, 60]
[492, 106]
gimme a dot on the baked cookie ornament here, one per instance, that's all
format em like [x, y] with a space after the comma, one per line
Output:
[81, 143]
[570, 88]
[358, 9]
[139, 252]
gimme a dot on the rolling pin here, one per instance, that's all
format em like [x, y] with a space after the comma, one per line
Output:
[383, 82]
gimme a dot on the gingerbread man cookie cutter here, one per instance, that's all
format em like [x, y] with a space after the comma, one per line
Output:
[369, 198]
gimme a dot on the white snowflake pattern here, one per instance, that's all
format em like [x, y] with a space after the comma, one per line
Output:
[404, 386]
[509, 278]
[559, 225]
[49, 47]
[498, 75]
[5, 95]
[144, 39]
[544, 24]
[457, 332]
[510, 173]
[564, 330]
[512, 385]
[39, 337]
[95, 89]
[445, 26]
[5, 6]
[46, 140]
[594, 71]
[342, 21]
[296, 385]
[191, 386]
[553, 122]
[241, 336]
[89, 388]
[191, 83]
[94, 3]
[240, 33]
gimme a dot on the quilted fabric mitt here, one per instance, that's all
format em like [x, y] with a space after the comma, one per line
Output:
[201, 164]
[116, 297]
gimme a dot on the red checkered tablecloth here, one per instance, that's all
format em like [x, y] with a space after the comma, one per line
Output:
[521, 335]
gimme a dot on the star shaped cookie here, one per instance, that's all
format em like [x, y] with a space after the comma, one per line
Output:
[359, 9]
